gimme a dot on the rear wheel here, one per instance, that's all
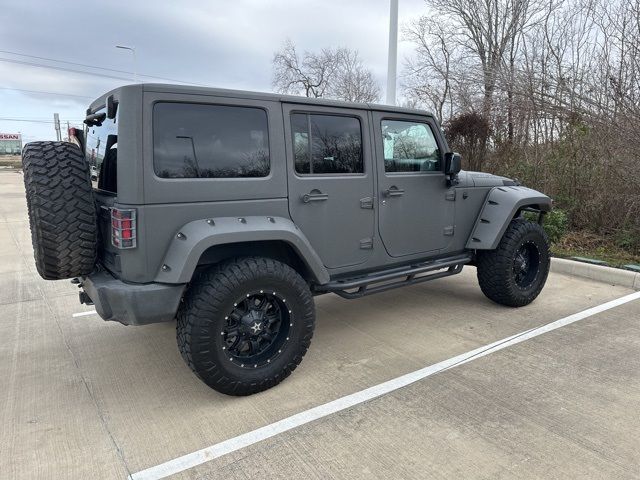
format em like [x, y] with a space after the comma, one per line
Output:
[515, 273]
[62, 213]
[245, 325]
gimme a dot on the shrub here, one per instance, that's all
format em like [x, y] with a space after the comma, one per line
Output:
[555, 224]
[628, 239]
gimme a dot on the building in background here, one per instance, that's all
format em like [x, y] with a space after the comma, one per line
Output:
[10, 143]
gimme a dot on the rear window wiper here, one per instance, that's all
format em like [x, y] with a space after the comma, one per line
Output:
[95, 119]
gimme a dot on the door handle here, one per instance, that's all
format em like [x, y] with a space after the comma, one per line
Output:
[393, 192]
[314, 196]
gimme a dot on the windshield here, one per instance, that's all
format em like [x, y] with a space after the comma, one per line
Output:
[102, 153]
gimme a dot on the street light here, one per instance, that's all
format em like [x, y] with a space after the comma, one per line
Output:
[193, 148]
[393, 53]
[135, 60]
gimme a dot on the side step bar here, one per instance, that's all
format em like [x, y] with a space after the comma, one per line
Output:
[396, 277]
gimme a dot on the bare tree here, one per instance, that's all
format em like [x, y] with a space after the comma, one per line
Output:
[430, 73]
[558, 84]
[485, 30]
[309, 75]
[353, 81]
[333, 73]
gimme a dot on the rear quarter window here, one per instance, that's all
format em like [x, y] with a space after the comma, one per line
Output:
[210, 141]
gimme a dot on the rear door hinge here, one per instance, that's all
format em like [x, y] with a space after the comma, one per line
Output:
[366, 243]
[448, 231]
[450, 195]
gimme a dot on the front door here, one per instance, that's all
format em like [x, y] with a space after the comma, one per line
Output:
[331, 187]
[416, 205]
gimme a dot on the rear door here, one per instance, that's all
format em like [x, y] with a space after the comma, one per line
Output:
[331, 184]
[416, 205]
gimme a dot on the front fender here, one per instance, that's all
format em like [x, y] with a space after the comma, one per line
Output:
[500, 206]
[195, 237]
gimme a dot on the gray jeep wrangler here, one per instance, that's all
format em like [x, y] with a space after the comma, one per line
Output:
[229, 210]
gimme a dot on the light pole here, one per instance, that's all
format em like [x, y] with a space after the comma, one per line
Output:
[393, 53]
[135, 60]
[193, 148]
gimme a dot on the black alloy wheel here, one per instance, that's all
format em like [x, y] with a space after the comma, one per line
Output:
[526, 264]
[245, 324]
[515, 272]
[256, 328]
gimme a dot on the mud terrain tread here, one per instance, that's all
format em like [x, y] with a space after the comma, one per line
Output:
[201, 311]
[61, 210]
[494, 267]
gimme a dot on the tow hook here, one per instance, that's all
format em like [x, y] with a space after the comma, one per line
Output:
[84, 298]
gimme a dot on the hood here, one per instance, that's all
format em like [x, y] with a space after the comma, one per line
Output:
[481, 179]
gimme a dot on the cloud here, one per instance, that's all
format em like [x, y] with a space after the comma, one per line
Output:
[219, 43]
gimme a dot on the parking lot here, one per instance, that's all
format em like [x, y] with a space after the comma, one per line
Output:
[82, 398]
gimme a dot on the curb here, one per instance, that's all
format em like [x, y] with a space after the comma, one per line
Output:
[612, 276]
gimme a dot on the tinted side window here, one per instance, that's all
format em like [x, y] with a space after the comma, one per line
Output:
[209, 141]
[409, 147]
[326, 144]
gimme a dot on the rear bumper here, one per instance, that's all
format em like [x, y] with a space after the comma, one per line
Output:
[132, 303]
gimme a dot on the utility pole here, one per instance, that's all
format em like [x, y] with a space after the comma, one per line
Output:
[68, 130]
[393, 53]
[56, 125]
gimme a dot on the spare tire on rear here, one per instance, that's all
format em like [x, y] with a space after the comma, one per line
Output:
[62, 213]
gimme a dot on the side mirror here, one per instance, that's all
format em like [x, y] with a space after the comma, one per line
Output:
[452, 163]
[112, 107]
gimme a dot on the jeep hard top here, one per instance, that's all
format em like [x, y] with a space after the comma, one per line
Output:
[229, 210]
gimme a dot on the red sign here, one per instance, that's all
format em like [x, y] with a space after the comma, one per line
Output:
[10, 136]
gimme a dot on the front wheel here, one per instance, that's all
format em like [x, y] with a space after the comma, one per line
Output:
[514, 273]
[245, 324]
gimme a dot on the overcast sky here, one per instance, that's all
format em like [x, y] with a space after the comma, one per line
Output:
[226, 44]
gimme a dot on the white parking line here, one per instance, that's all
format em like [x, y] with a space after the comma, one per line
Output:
[218, 450]
[82, 314]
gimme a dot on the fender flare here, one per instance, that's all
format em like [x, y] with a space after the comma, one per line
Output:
[195, 237]
[500, 207]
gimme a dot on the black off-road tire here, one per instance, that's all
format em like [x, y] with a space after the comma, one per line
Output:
[211, 297]
[497, 272]
[62, 214]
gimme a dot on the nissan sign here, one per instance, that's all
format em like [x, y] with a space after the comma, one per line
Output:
[10, 136]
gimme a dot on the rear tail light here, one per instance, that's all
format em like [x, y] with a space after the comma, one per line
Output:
[123, 228]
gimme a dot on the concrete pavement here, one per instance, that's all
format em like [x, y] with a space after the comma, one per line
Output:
[557, 406]
[83, 398]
